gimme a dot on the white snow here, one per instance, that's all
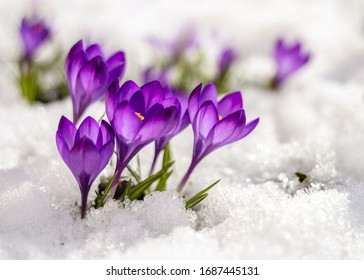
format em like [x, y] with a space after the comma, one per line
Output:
[259, 210]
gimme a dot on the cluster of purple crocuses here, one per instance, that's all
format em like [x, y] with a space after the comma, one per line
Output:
[138, 116]
[35, 33]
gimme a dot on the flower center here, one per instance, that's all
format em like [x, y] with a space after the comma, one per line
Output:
[139, 116]
[220, 117]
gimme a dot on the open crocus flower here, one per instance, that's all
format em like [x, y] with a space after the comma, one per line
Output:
[182, 122]
[86, 151]
[89, 75]
[139, 115]
[215, 124]
[34, 33]
[288, 60]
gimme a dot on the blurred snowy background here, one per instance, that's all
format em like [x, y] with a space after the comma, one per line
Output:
[259, 210]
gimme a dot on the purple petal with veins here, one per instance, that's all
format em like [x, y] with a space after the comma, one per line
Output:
[86, 151]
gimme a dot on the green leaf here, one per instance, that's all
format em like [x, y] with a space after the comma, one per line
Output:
[197, 198]
[29, 85]
[196, 201]
[98, 195]
[138, 164]
[161, 187]
[126, 191]
[134, 173]
[301, 176]
[162, 184]
[100, 202]
[139, 189]
[166, 155]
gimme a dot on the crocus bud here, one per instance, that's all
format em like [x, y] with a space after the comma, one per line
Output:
[288, 60]
[215, 123]
[34, 33]
[89, 75]
[86, 151]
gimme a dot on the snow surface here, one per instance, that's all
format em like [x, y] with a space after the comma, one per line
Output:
[259, 210]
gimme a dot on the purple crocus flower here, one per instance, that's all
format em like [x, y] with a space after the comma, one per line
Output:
[89, 75]
[226, 59]
[178, 46]
[86, 151]
[288, 60]
[182, 122]
[34, 33]
[215, 123]
[152, 74]
[139, 115]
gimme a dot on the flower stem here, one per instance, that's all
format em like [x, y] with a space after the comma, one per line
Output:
[112, 184]
[156, 154]
[83, 205]
[185, 178]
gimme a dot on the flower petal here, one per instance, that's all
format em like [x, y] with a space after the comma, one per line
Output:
[137, 102]
[126, 123]
[221, 134]
[116, 66]
[85, 160]
[68, 131]
[62, 147]
[106, 134]
[92, 78]
[105, 154]
[194, 102]
[74, 63]
[93, 51]
[229, 104]
[89, 128]
[126, 91]
[34, 32]
[153, 93]
[205, 119]
[110, 102]
[171, 101]
[158, 125]
[248, 128]
[209, 93]
[115, 60]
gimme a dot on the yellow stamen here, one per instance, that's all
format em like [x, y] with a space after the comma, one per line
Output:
[139, 116]
[220, 117]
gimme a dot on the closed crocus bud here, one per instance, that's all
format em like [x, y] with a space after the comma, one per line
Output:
[226, 59]
[34, 33]
[288, 60]
[139, 116]
[89, 75]
[86, 151]
[215, 123]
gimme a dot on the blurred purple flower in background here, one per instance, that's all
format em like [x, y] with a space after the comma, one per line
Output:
[288, 60]
[139, 116]
[227, 57]
[215, 124]
[89, 75]
[152, 74]
[34, 33]
[86, 151]
[178, 46]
